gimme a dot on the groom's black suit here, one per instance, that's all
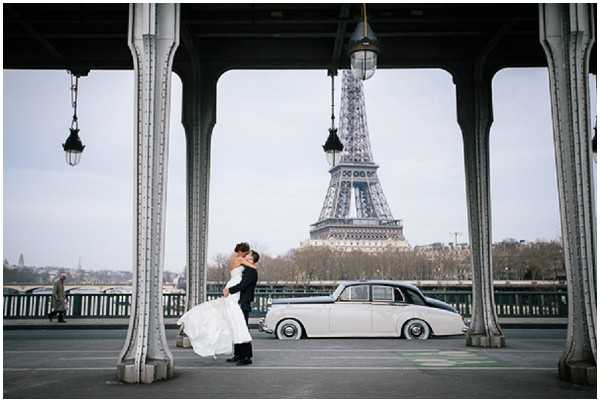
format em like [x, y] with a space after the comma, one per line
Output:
[246, 288]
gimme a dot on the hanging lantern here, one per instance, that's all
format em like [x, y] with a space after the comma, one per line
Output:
[73, 146]
[333, 146]
[363, 49]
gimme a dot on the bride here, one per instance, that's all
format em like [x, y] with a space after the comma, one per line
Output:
[214, 326]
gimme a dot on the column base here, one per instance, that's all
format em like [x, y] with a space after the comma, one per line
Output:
[485, 341]
[582, 373]
[182, 341]
[156, 370]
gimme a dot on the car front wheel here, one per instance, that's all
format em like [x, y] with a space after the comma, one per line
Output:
[416, 329]
[289, 330]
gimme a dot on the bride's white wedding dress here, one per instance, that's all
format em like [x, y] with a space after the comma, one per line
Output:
[214, 326]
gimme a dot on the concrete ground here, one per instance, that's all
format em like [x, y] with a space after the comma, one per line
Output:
[41, 363]
[171, 323]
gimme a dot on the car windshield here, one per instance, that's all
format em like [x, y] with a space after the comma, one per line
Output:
[413, 297]
[338, 291]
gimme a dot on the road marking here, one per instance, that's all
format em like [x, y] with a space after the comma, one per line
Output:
[255, 349]
[290, 368]
[363, 368]
[177, 350]
[61, 351]
[192, 356]
[360, 357]
[87, 358]
[56, 368]
[346, 350]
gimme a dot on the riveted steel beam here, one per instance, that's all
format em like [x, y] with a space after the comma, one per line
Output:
[153, 38]
[474, 114]
[567, 33]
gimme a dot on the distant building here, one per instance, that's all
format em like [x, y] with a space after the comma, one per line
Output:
[21, 263]
[433, 250]
[368, 246]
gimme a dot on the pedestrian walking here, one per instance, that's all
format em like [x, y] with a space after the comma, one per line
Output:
[59, 304]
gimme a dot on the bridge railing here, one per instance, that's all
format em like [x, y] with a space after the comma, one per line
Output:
[532, 304]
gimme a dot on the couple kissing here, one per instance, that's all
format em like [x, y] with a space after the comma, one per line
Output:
[220, 326]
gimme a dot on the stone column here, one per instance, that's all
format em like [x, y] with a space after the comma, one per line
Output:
[198, 118]
[567, 36]
[474, 112]
[153, 38]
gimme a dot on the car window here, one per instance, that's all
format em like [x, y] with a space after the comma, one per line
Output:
[413, 297]
[355, 293]
[398, 296]
[383, 293]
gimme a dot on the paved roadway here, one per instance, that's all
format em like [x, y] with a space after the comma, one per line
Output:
[81, 364]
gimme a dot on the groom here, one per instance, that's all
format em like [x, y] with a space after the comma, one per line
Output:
[242, 352]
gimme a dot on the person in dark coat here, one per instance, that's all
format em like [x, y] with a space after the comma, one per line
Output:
[59, 305]
[242, 352]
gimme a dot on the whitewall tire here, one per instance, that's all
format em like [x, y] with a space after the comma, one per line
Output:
[289, 330]
[416, 329]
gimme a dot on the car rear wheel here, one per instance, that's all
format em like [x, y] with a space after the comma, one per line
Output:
[416, 329]
[289, 330]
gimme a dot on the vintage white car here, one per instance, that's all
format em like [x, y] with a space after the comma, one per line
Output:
[363, 309]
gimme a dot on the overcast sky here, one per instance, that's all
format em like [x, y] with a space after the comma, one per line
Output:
[269, 173]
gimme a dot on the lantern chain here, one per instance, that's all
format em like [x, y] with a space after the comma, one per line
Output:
[364, 10]
[74, 93]
[332, 103]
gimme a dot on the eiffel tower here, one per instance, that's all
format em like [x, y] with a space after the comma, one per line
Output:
[368, 224]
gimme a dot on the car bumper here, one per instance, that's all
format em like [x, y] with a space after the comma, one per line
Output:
[466, 325]
[263, 328]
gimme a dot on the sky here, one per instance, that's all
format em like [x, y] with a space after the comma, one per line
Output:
[268, 171]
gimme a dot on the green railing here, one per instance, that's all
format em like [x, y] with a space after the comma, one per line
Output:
[532, 304]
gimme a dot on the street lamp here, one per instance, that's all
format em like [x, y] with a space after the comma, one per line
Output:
[73, 146]
[363, 49]
[333, 146]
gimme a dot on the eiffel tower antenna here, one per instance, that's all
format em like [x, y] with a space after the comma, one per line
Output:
[371, 226]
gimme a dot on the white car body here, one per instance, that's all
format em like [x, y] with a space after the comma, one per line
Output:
[339, 316]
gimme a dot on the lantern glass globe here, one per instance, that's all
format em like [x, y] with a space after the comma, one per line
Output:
[73, 157]
[333, 158]
[363, 64]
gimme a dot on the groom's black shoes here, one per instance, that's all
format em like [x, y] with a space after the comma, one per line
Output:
[233, 359]
[244, 361]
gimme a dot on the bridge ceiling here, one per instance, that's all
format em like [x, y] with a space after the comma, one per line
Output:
[261, 36]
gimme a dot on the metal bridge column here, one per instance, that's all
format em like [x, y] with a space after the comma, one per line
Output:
[474, 112]
[198, 118]
[153, 38]
[567, 35]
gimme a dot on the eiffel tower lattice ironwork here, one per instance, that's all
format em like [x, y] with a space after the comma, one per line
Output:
[354, 181]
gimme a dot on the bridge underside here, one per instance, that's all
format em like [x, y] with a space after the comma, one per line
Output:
[277, 36]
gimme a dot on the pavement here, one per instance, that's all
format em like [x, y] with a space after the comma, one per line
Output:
[171, 323]
[77, 363]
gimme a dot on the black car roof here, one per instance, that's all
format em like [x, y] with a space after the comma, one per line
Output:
[381, 282]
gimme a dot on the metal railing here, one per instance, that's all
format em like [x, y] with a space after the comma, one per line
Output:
[532, 304]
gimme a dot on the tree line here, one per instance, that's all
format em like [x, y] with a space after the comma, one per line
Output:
[511, 260]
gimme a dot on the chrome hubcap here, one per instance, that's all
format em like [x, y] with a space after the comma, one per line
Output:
[289, 331]
[416, 330]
